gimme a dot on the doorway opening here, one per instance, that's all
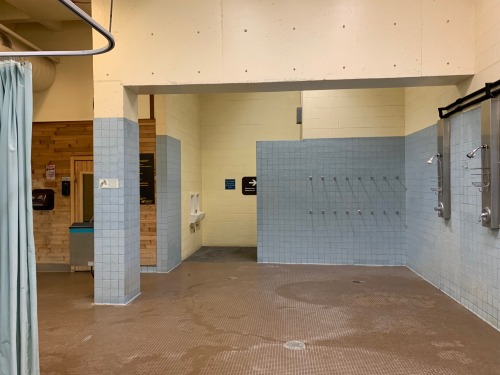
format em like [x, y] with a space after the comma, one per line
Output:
[82, 213]
[82, 199]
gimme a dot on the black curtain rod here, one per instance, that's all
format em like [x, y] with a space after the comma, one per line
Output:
[466, 102]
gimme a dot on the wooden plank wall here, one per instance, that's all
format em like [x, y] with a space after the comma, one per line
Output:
[147, 138]
[55, 143]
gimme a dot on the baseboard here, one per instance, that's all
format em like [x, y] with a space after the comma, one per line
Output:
[53, 267]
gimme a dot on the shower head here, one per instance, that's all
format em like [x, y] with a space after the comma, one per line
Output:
[431, 159]
[471, 154]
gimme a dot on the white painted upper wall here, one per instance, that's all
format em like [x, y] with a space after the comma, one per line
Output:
[178, 45]
[422, 104]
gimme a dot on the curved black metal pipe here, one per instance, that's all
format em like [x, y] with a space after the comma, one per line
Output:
[466, 102]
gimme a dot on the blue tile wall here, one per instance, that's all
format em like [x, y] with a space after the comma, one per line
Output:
[116, 211]
[168, 182]
[365, 174]
[458, 255]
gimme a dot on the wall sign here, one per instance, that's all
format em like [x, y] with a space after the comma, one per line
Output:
[109, 183]
[249, 185]
[50, 172]
[230, 184]
[147, 178]
[43, 199]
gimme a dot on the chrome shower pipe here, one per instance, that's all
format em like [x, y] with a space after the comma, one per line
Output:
[471, 154]
[435, 156]
[443, 156]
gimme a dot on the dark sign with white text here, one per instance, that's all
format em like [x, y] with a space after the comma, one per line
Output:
[249, 185]
[147, 178]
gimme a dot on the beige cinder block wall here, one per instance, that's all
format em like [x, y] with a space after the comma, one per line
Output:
[218, 134]
[179, 117]
[422, 103]
[173, 45]
[70, 96]
[231, 124]
[353, 113]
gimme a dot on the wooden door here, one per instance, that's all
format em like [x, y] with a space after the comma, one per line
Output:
[81, 166]
[86, 190]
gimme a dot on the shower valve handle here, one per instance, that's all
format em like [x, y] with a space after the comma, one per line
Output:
[485, 215]
[439, 209]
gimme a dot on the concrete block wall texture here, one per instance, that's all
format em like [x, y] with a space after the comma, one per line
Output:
[117, 221]
[168, 184]
[179, 117]
[353, 113]
[73, 85]
[303, 220]
[280, 45]
[459, 256]
[422, 102]
[231, 124]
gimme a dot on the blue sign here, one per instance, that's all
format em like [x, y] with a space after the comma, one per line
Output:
[230, 184]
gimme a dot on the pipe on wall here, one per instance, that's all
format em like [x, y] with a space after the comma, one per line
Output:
[44, 69]
[84, 17]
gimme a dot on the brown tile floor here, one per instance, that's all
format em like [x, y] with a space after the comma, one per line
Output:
[234, 318]
[223, 254]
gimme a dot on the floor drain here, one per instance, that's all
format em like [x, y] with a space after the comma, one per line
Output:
[295, 345]
[357, 281]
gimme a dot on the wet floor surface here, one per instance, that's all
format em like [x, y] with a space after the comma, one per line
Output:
[221, 254]
[238, 318]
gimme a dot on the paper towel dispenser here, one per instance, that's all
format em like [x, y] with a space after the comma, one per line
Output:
[43, 199]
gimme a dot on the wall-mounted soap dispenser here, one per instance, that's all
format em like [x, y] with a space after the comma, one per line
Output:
[195, 215]
[489, 186]
[443, 162]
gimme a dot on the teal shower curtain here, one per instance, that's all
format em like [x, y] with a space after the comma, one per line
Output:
[18, 305]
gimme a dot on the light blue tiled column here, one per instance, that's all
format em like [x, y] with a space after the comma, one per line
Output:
[168, 213]
[116, 211]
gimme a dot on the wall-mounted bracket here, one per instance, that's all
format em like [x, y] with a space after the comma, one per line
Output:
[490, 167]
[443, 190]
